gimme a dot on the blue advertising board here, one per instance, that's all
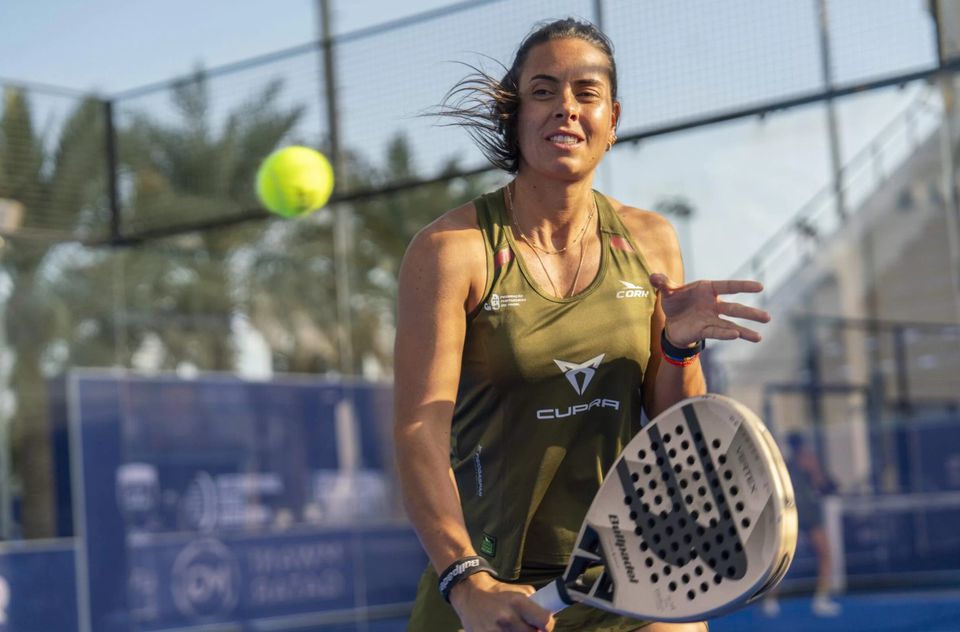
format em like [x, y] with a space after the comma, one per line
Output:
[928, 452]
[884, 535]
[183, 581]
[38, 589]
[217, 500]
[216, 503]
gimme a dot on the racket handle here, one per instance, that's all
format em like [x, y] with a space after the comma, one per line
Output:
[550, 596]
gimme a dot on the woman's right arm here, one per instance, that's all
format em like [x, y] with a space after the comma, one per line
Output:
[431, 325]
[436, 288]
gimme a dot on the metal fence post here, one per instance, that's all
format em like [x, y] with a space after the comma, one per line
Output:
[834, 136]
[342, 233]
[111, 154]
[947, 140]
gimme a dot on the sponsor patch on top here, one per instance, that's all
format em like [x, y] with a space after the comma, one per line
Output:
[632, 290]
[503, 301]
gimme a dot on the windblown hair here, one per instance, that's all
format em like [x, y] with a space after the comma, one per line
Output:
[487, 107]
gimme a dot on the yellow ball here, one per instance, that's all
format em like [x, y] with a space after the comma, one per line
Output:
[294, 181]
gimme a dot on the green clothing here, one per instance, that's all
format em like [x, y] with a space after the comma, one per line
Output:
[549, 394]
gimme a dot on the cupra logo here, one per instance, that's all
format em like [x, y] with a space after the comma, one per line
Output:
[579, 375]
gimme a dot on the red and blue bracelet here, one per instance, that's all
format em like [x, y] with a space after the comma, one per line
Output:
[679, 356]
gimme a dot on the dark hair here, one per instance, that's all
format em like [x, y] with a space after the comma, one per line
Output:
[487, 106]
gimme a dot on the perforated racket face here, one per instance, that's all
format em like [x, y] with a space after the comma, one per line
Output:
[696, 517]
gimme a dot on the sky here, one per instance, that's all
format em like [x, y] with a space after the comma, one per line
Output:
[115, 45]
[744, 179]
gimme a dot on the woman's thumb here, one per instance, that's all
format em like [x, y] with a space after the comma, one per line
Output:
[660, 281]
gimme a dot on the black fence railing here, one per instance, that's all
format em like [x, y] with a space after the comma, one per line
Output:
[292, 85]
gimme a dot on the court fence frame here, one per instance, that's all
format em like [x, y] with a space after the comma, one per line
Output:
[325, 48]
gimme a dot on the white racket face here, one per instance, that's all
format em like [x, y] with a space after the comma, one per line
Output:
[696, 518]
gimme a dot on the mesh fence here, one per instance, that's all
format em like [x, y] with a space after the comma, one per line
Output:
[179, 154]
[189, 153]
[53, 167]
[185, 150]
[724, 119]
[258, 296]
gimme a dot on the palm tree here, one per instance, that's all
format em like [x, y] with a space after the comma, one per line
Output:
[388, 224]
[291, 277]
[70, 305]
[179, 298]
[186, 171]
[60, 190]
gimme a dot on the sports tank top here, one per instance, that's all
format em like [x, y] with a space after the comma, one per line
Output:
[549, 393]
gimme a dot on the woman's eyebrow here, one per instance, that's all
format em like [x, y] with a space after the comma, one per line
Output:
[551, 78]
[544, 77]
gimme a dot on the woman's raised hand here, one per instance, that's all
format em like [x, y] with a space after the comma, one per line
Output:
[695, 311]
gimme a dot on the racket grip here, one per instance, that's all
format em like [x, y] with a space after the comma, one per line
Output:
[550, 596]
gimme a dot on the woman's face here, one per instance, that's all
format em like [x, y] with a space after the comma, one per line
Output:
[567, 115]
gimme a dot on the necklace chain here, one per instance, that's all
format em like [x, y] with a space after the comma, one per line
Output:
[513, 216]
[534, 248]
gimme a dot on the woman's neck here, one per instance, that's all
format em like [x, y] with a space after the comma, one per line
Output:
[550, 212]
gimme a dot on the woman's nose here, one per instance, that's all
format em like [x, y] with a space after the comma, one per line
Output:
[569, 107]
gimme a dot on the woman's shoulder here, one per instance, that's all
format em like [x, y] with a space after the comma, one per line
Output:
[448, 256]
[452, 241]
[642, 221]
[653, 233]
[455, 227]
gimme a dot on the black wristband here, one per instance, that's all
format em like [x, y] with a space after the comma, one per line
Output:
[460, 570]
[679, 353]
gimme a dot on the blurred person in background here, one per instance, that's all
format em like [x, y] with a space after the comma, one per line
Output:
[810, 484]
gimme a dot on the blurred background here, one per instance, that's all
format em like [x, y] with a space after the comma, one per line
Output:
[195, 395]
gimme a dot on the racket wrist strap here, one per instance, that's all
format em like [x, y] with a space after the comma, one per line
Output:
[554, 596]
[679, 356]
[460, 570]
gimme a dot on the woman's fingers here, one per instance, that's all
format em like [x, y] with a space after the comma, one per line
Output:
[730, 331]
[737, 287]
[661, 281]
[535, 616]
[721, 332]
[738, 310]
[748, 334]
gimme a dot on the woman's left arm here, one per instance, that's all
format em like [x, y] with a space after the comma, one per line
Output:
[685, 314]
[664, 384]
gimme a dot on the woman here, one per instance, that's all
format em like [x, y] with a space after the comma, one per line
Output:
[529, 343]
[810, 484]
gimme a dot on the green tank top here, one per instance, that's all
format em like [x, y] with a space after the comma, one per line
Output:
[549, 393]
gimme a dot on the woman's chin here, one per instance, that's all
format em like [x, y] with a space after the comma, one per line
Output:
[562, 169]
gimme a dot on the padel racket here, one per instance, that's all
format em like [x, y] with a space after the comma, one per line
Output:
[696, 518]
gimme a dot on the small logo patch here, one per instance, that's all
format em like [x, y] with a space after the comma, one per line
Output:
[580, 374]
[503, 301]
[488, 546]
[632, 290]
